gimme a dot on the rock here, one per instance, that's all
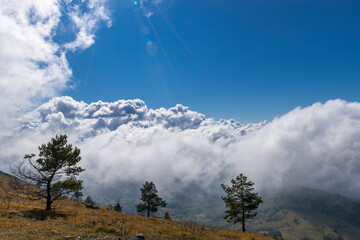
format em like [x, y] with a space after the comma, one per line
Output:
[105, 238]
[78, 238]
[68, 237]
[14, 213]
[91, 206]
[139, 237]
[54, 231]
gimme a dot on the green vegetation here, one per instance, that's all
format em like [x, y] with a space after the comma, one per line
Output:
[150, 198]
[24, 219]
[305, 213]
[240, 200]
[77, 196]
[117, 207]
[294, 214]
[167, 216]
[298, 214]
[54, 172]
[89, 200]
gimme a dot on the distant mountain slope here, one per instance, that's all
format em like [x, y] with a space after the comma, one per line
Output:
[21, 218]
[298, 214]
[294, 214]
[305, 213]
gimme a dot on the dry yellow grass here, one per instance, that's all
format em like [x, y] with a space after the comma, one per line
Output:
[25, 219]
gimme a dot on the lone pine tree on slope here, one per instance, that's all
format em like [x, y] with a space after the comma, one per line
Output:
[240, 200]
[150, 198]
[117, 207]
[53, 173]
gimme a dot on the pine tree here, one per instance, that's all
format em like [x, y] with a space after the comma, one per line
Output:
[240, 200]
[77, 196]
[89, 200]
[53, 173]
[118, 207]
[150, 198]
[167, 216]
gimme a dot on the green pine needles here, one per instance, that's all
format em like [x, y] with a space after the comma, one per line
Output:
[240, 200]
[150, 198]
[53, 173]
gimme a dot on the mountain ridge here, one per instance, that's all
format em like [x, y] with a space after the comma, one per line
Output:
[21, 218]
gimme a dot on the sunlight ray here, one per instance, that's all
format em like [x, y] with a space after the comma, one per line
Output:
[184, 44]
[165, 53]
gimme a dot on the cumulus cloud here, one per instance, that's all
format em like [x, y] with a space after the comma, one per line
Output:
[317, 146]
[33, 64]
[125, 142]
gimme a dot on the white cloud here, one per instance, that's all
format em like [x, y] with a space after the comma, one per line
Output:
[317, 146]
[86, 22]
[29, 65]
[124, 141]
[33, 66]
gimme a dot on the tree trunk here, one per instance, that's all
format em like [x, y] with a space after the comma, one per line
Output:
[48, 197]
[243, 212]
[48, 204]
[243, 220]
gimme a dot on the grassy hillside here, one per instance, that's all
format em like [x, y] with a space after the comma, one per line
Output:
[296, 214]
[305, 213]
[21, 218]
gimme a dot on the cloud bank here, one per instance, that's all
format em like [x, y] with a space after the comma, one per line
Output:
[124, 141]
[33, 64]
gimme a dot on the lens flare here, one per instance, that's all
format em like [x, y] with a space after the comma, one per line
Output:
[148, 41]
[136, 3]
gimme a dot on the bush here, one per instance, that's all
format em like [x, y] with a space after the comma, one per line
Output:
[167, 216]
[89, 200]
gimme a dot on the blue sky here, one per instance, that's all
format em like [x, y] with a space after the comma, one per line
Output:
[247, 60]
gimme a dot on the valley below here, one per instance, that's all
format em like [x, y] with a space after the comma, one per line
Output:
[294, 214]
